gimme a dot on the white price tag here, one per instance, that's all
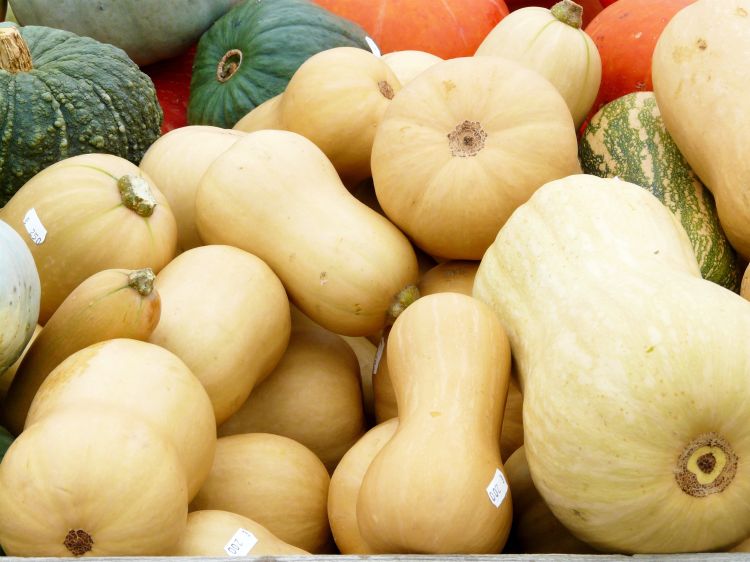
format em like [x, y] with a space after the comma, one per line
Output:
[241, 543]
[498, 488]
[373, 46]
[34, 227]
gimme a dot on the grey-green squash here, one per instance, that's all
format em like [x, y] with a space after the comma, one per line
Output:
[62, 95]
[627, 139]
[249, 55]
[147, 30]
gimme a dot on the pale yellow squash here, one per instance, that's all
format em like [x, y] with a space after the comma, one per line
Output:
[263, 116]
[407, 65]
[314, 396]
[226, 315]
[464, 144]
[634, 386]
[7, 376]
[275, 194]
[145, 381]
[437, 486]
[88, 213]
[336, 99]
[216, 533]
[176, 162]
[114, 303]
[700, 81]
[274, 481]
[552, 43]
[91, 481]
[345, 484]
[511, 435]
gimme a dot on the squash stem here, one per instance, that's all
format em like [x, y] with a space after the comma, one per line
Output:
[407, 296]
[142, 280]
[136, 195]
[14, 52]
[569, 13]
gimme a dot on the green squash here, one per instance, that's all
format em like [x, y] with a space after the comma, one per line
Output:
[74, 96]
[249, 55]
[147, 30]
[627, 139]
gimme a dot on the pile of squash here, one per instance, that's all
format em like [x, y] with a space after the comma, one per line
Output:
[409, 302]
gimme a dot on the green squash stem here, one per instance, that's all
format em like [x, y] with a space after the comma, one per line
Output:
[407, 296]
[14, 52]
[569, 13]
[137, 195]
[142, 280]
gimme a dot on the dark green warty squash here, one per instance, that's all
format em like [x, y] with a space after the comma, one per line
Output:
[250, 54]
[62, 95]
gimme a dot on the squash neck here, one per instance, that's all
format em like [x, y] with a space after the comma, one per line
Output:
[15, 56]
[569, 13]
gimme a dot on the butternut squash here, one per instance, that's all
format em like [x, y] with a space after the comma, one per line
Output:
[88, 213]
[700, 79]
[274, 481]
[214, 533]
[630, 410]
[337, 98]
[345, 484]
[314, 396]
[175, 162]
[7, 376]
[275, 194]
[91, 481]
[438, 486]
[242, 310]
[114, 303]
[465, 143]
[263, 116]
[147, 382]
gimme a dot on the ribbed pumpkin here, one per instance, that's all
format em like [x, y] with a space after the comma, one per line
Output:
[627, 138]
[148, 31]
[448, 29]
[249, 55]
[62, 95]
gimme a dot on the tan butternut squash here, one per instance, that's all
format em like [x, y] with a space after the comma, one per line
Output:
[91, 481]
[511, 435]
[407, 65]
[645, 406]
[263, 116]
[345, 484]
[465, 143]
[147, 382]
[438, 485]
[175, 162]
[700, 81]
[88, 213]
[337, 98]
[274, 481]
[345, 266]
[243, 314]
[365, 351]
[7, 376]
[114, 303]
[215, 533]
[314, 396]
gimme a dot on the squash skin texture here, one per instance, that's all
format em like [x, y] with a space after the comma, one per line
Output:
[613, 397]
[270, 55]
[627, 139]
[81, 97]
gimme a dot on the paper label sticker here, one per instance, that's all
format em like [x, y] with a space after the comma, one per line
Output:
[34, 227]
[373, 46]
[498, 488]
[241, 543]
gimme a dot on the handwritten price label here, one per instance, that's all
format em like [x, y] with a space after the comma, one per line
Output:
[34, 227]
[241, 543]
[498, 488]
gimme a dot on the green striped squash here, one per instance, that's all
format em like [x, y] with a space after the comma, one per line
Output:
[627, 138]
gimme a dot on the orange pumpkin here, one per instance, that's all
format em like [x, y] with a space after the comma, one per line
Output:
[448, 29]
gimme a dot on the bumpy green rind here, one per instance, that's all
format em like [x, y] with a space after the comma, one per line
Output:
[627, 138]
[81, 97]
[275, 38]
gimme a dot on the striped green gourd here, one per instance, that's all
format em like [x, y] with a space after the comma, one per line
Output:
[627, 138]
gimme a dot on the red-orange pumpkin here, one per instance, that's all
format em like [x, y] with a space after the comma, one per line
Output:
[448, 29]
[625, 34]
